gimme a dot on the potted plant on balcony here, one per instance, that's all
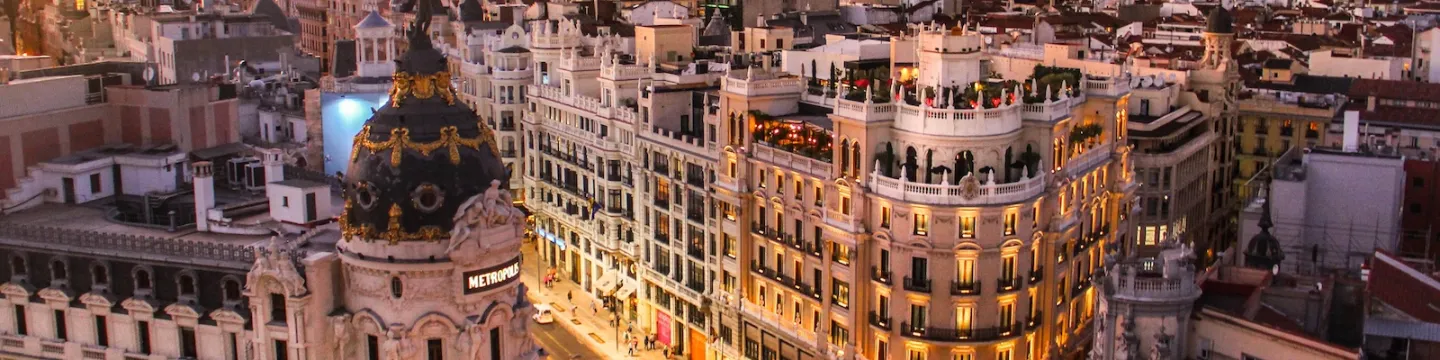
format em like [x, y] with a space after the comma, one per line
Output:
[1029, 161]
[1082, 135]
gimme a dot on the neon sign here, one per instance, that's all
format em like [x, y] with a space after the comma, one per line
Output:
[492, 277]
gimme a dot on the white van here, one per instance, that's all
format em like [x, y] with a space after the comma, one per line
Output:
[544, 314]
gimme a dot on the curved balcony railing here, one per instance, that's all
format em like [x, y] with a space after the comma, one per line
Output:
[923, 119]
[961, 335]
[957, 194]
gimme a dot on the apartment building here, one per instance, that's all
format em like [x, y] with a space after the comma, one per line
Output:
[1182, 134]
[670, 196]
[1280, 109]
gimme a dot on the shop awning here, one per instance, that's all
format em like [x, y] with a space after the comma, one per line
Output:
[606, 282]
[625, 290]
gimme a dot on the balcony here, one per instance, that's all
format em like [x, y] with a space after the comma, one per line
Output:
[971, 287]
[1034, 320]
[882, 276]
[957, 194]
[882, 322]
[960, 335]
[1037, 274]
[804, 164]
[762, 85]
[917, 285]
[1004, 285]
[865, 110]
[694, 252]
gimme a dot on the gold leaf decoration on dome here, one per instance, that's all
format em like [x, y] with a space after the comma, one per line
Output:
[421, 87]
[393, 233]
[400, 140]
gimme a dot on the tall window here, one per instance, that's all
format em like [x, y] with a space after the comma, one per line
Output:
[915, 354]
[434, 349]
[839, 335]
[922, 224]
[143, 328]
[885, 217]
[60, 328]
[495, 343]
[102, 331]
[1011, 219]
[1007, 269]
[964, 317]
[280, 352]
[965, 271]
[277, 308]
[967, 226]
[187, 343]
[22, 327]
[840, 292]
[917, 317]
[1007, 314]
[372, 347]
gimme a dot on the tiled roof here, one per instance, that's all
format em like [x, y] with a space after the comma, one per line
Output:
[1398, 115]
[1395, 89]
[1404, 288]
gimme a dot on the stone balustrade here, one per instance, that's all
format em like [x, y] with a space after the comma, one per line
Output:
[762, 87]
[865, 111]
[923, 119]
[798, 162]
[957, 194]
[142, 247]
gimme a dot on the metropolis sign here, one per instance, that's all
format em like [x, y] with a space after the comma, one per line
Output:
[489, 278]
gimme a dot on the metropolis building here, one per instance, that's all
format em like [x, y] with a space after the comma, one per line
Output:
[422, 261]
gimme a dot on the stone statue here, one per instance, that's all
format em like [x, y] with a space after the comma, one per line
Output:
[397, 347]
[467, 220]
[341, 328]
[471, 342]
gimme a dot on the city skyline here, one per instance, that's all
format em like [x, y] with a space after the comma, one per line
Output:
[722, 180]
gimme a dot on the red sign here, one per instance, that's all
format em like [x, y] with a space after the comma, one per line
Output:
[662, 328]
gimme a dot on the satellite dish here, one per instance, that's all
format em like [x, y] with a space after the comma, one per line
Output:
[149, 74]
[195, 77]
[1145, 82]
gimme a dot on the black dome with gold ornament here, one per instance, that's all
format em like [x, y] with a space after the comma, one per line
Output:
[420, 155]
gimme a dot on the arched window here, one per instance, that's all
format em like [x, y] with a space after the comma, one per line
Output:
[231, 290]
[17, 266]
[854, 158]
[844, 158]
[100, 274]
[58, 270]
[142, 279]
[187, 285]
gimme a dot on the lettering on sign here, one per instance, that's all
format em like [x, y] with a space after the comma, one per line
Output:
[489, 278]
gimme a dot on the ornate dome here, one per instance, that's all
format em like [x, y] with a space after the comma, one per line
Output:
[420, 156]
[1264, 250]
[1219, 21]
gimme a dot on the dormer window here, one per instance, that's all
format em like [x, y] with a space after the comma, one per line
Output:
[58, 272]
[17, 266]
[100, 275]
[187, 285]
[142, 280]
[231, 290]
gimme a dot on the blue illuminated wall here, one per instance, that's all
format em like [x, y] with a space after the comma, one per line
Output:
[343, 115]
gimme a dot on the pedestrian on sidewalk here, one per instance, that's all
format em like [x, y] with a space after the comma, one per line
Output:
[632, 349]
[570, 296]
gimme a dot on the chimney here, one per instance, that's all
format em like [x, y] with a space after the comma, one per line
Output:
[204, 193]
[274, 166]
[1352, 131]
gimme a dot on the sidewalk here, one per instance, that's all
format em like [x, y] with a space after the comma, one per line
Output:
[592, 329]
